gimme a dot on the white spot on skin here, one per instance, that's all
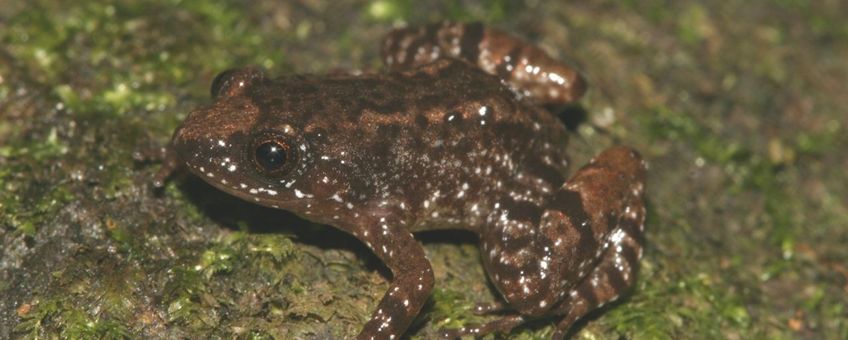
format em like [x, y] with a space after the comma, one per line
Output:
[617, 236]
[483, 110]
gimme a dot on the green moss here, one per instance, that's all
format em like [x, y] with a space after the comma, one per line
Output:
[708, 305]
[451, 309]
[92, 35]
[700, 304]
[185, 294]
[23, 204]
[191, 299]
[389, 10]
[79, 325]
[32, 322]
[74, 323]
[406, 11]
[486, 11]
[694, 24]
[819, 143]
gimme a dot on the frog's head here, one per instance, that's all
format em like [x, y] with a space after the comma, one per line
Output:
[259, 152]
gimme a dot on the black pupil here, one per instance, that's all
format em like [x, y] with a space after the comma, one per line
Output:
[271, 156]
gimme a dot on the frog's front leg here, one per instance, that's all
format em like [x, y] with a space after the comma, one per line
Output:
[412, 275]
[164, 154]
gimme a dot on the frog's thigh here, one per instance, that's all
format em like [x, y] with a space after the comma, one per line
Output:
[517, 259]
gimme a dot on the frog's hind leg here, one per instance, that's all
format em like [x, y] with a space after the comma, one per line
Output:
[584, 249]
[528, 70]
[614, 275]
[615, 271]
[584, 240]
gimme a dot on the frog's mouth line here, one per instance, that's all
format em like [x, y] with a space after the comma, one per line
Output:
[263, 196]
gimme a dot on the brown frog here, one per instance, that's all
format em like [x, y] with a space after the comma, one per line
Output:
[453, 136]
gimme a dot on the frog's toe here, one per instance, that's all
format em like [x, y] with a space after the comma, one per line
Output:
[502, 325]
[451, 333]
[486, 308]
[149, 153]
[158, 154]
[471, 329]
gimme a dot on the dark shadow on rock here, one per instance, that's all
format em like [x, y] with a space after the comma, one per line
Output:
[571, 115]
[449, 236]
[236, 214]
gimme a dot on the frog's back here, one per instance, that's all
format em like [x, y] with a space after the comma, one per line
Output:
[447, 139]
[432, 90]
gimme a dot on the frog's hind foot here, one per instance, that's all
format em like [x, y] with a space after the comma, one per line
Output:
[502, 325]
[613, 276]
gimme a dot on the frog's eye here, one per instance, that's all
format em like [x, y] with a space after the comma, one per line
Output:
[274, 156]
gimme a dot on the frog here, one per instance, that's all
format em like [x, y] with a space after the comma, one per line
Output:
[453, 134]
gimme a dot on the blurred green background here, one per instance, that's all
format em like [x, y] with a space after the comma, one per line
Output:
[739, 106]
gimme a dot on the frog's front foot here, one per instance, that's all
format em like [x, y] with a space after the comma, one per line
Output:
[165, 155]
